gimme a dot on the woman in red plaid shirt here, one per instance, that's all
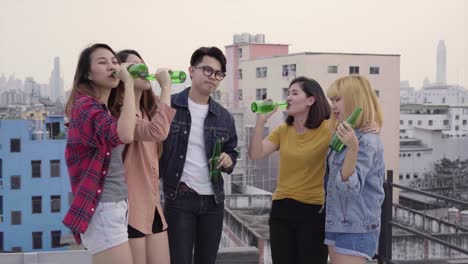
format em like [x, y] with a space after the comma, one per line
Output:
[98, 214]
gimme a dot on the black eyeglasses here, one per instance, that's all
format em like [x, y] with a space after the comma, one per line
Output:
[208, 71]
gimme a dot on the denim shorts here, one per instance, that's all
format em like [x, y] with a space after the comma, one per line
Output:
[354, 244]
[108, 227]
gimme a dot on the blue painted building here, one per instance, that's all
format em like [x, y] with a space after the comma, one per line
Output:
[34, 185]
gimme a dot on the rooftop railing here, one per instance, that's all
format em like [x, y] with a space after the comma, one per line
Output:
[385, 243]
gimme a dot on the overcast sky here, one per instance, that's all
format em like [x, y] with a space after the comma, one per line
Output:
[166, 32]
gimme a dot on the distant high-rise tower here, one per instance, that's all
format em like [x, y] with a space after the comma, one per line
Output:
[441, 65]
[56, 82]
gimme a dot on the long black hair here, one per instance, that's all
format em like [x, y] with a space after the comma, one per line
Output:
[320, 110]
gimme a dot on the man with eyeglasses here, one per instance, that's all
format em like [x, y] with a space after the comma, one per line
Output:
[194, 203]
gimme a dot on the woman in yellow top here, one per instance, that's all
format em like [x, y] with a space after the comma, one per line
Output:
[297, 223]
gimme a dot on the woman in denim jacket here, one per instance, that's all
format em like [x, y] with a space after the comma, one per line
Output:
[354, 176]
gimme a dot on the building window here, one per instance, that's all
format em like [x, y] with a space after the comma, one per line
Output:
[415, 176]
[261, 72]
[36, 168]
[457, 127]
[443, 100]
[419, 122]
[1, 171]
[409, 155]
[401, 177]
[239, 74]
[457, 117]
[410, 122]
[464, 122]
[37, 240]
[418, 155]
[374, 70]
[15, 217]
[353, 69]
[15, 145]
[239, 52]
[55, 168]
[55, 203]
[2, 246]
[430, 122]
[54, 129]
[36, 204]
[55, 238]
[15, 182]
[408, 176]
[446, 122]
[377, 93]
[240, 95]
[261, 94]
[332, 69]
[404, 155]
[289, 70]
[402, 122]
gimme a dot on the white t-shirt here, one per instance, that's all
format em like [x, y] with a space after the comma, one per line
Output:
[196, 172]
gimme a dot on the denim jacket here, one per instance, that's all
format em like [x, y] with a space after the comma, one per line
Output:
[219, 124]
[354, 206]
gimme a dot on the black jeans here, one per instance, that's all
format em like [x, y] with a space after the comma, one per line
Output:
[297, 232]
[195, 224]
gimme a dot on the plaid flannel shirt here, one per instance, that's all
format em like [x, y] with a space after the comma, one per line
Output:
[92, 133]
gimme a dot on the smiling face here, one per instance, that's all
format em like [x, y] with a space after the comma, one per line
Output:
[140, 83]
[103, 65]
[298, 102]
[338, 108]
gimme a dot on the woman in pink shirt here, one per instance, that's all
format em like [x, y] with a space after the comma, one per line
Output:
[146, 225]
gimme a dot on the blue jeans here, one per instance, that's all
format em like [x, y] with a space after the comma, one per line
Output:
[354, 244]
[195, 224]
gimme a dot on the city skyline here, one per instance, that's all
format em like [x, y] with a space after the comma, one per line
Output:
[35, 32]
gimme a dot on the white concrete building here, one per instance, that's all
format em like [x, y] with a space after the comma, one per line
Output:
[437, 118]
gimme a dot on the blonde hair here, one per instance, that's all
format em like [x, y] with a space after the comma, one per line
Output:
[356, 90]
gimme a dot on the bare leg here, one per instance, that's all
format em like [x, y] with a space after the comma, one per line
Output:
[345, 259]
[120, 254]
[337, 258]
[138, 246]
[157, 249]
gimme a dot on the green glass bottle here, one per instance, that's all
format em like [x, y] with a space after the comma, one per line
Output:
[176, 76]
[336, 143]
[138, 70]
[141, 71]
[267, 106]
[215, 173]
